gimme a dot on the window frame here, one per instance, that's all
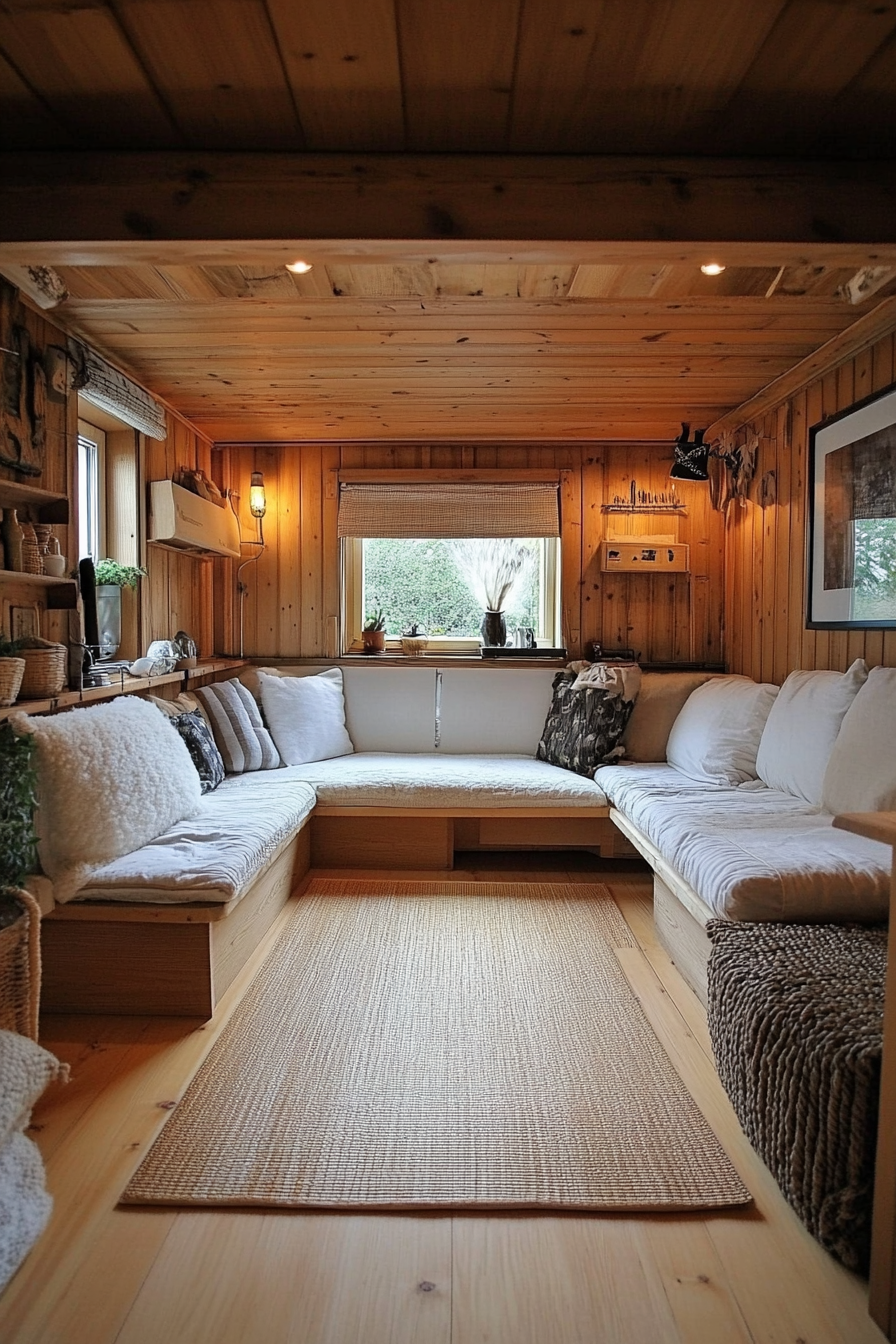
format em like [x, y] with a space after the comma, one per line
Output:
[92, 436]
[352, 593]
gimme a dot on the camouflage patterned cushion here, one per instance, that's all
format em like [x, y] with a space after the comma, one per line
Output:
[584, 727]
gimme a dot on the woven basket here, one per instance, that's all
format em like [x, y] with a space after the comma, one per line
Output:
[45, 671]
[31, 561]
[19, 962]
[11, 672]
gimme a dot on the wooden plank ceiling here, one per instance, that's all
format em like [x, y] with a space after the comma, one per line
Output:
[576, 349]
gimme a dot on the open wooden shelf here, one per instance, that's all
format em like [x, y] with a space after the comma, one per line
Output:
[51, 507]
[66, 699]
[44, 580]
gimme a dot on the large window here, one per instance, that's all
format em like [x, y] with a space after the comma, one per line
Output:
[91, 491]
[418, 580]
[439, 551]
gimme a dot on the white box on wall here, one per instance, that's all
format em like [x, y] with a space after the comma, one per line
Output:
[645, 555]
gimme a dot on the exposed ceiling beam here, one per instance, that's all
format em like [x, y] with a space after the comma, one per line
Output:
[42, 284]
[445, 205]
[867, 281]
[869, 328]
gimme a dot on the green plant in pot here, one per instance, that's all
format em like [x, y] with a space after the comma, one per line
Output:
[18, 792]
[373, 634]
[12, 669]
[111, 577]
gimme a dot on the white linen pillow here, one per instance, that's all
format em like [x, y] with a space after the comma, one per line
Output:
[716, 735]
[110, 779]
[306, 716]
[802, 728]
[861, 773]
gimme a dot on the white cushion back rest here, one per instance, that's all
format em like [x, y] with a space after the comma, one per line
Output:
[110, 779]
[802, 728]
[861, 773]
[306, 716]
[716, 736]
[494, 710]
[386, 708]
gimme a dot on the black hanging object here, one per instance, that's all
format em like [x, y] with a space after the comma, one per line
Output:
[87, 577]
[691, 457]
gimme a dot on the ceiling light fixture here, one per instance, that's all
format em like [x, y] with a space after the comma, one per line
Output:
[298, 267]
[712, 268]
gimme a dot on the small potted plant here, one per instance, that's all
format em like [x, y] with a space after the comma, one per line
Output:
[373, 635]
[414, 640]
[111, 577]
[12, 669]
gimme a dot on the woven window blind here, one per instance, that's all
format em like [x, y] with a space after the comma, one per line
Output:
[526, 509]
[104, 386]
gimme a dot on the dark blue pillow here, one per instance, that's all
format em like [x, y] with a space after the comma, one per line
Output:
[200, 744]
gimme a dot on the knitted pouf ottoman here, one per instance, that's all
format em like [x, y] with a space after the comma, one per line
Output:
[796, 1020]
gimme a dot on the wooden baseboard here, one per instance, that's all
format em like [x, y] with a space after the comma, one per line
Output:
[160, 968]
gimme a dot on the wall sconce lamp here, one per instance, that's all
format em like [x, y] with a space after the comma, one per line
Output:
[258, 507]
[257, 502]
[692, 456]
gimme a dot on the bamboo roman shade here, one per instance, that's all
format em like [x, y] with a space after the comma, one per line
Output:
[468, 509]
[115, 392]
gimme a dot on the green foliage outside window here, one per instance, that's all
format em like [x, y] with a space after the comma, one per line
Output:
[417, 581]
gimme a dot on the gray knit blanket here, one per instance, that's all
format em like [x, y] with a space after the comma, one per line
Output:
[796, 1019]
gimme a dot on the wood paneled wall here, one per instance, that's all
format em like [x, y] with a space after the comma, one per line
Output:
[291, 606]
[179, 592]
[765, 600]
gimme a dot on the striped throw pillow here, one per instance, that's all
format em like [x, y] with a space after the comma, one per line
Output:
[240, 736]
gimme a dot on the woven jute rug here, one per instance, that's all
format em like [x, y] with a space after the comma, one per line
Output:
[441, 1045]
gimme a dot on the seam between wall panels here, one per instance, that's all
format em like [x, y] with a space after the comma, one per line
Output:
[437, 725]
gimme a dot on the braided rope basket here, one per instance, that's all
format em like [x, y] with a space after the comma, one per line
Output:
[12, 670]
[19, 962]
[45, 669]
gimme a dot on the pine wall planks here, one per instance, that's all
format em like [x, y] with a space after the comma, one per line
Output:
[291, 604]
[765, 597]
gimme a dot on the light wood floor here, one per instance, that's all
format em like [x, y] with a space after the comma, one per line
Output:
[156, 1276]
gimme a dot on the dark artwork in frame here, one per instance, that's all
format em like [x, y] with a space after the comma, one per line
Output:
[851, 581]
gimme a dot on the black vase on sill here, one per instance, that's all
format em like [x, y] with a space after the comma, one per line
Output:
[493, 629]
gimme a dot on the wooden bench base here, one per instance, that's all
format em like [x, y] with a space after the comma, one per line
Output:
[161, 960]
[362, 837]
[679, 915]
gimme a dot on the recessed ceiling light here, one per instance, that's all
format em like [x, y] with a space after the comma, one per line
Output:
[712, 268]
[298, 267]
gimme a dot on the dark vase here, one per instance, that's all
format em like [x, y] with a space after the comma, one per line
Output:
[493, 629]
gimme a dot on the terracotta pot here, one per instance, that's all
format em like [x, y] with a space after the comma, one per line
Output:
[374, 641]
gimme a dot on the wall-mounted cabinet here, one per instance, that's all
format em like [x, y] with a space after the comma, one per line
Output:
[645, 555]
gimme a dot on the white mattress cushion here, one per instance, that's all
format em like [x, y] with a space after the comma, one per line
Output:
[216, 854]
[802, 727]
[716, 735]
[861, 773]
[381, 779]
[751, 852]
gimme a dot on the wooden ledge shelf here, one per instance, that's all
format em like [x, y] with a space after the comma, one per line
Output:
[49, 506]
[44, 580]
[69, 699]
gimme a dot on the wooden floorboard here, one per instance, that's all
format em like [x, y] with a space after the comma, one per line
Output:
[104, 1275]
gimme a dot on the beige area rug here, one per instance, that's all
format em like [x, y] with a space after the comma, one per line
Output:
[441, 1045]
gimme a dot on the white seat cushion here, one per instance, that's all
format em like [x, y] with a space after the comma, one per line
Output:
[802, 727]
[716, 735]
[381, 779]
[217, 854]
[751, 852]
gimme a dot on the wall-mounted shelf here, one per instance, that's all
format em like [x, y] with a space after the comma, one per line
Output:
[49, 506]
[44, 580]
[62, 594]
[644, 508]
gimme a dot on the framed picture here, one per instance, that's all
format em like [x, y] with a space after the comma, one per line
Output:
[852, 517]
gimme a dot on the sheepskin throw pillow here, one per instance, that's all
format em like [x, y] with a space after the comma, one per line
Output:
[307, 716]
[110, 779]
[206, 757]
[240, 735]
[26, 1069]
